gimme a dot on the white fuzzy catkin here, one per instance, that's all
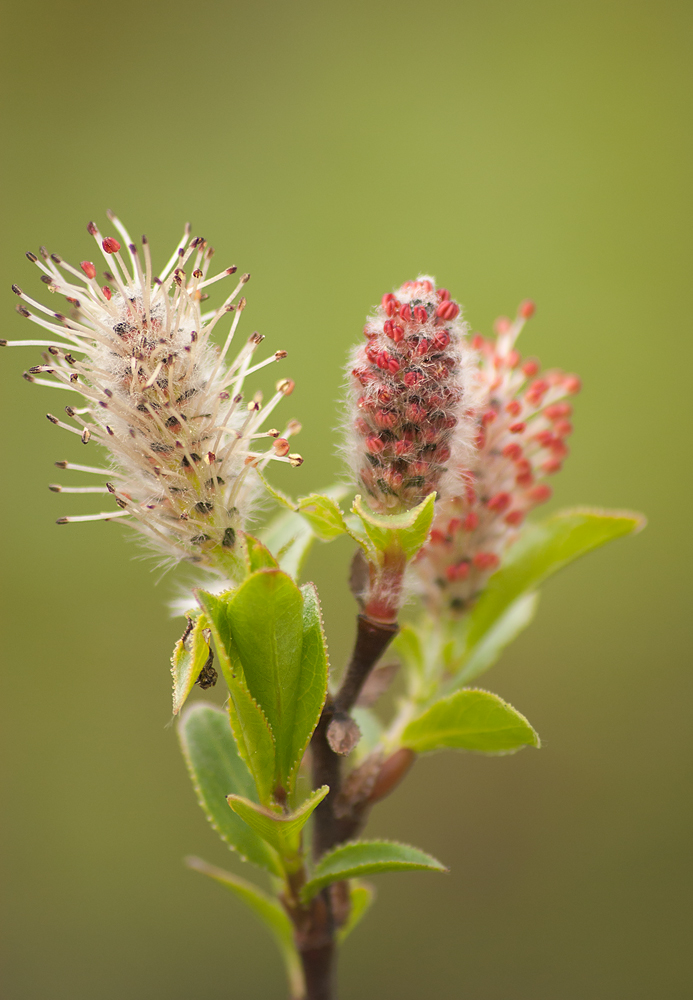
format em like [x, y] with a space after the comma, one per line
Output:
[166, 403]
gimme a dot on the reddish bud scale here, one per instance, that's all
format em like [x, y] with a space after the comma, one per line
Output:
[472, 530]
[410, 397]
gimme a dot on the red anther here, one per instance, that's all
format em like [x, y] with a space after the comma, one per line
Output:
[388, 328]
[559, 449]
[450, 422]
[514, 518]
[374, 445]
[453, 524]
[110, 245]
[426, 286]
[88, 268]
[385, 419]
[458, 572]
[91, 228]
[480, 439]
[524, 478]
[411, 379]
[393, 365]
[523, 466]
[441, 340]
[563, 428]
[572, 384]
[386, 301]
[544, 438]
[419, 468]
[478, 342]
[502, 325]
[513, 451]
[514, 408]
[488, 417]
[471, 521]
[526, 309]
[540, 493]
[403, 448]
[557, 411]
[398, 334]
[405, 313]
[443, 294]
[518, 427]
[385, 395]
[394, 479]
[361, 426]
[286, 386]
[372, 353]
[512, 359]
[499, 502]
[422, 347]
[442, 453]
[552, 465]
[107, 292]
[436, 537]
[420, 314]
[447, 310]
[530, 368]
[281, 446]
[414, 413]
[382, 359]
[536, 391]
[486, 560]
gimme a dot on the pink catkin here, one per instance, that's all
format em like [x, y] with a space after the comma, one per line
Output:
[410, 385]
[521, 422]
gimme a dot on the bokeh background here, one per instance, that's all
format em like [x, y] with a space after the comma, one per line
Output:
[512, 148]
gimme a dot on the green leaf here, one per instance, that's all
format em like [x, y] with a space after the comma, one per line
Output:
[406, 531]
[407, 643]
[282, 831]
[292, 538]
[504, 630]
[190, 654]
[217, 770]
[324, 515]
[270, 913]
[259, 556]
[542, 550]
[361, 896]
[275, 647]
[366, 857]
[250, 727]
[470, 720]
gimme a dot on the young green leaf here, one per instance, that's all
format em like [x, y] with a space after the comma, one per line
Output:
[361, 896]
[190, 654]
[282, 831]
[258, 555]
[366, 857]
[269, 912]
[504, 630]
[291, 538]
[217, 770]
[470, 720]
[406, 531]
[324, 515]
[249, 724]
[312, 680]
[542, 550]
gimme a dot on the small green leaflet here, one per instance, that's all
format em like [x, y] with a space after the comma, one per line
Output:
[282, 831]
[542, 550]
[190, 654]
[470, 720]
[406, 532]
[258, 555]
[361, 896]
[269, 912]
[367, 857]
[217, 770]
[292, 538]
[514, 620]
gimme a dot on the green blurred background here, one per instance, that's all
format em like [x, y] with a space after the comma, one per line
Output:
[512, 149]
